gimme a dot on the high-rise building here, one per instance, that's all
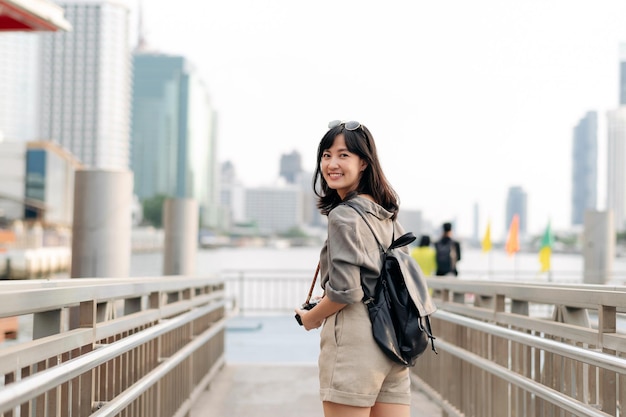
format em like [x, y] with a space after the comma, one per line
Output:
[174, 149]
[516, 203]
[622, 74]
[85, 83]
[232, 195]
[616, 165]
[584, 167]
[291, 167]
[19, 72]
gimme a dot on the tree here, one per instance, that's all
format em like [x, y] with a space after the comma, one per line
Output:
[153, 210]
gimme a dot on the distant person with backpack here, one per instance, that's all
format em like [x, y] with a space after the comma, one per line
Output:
[448, 252]
[356, 377]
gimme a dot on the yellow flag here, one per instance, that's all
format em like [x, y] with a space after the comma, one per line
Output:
[486, 244]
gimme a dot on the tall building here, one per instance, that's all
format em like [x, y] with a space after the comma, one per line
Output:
[174, 148]
[85, 83]
[232, 195]
[616, 165]
[584, 167]
[291, 167]
[516, 203]
[622, 74]
[19, 72]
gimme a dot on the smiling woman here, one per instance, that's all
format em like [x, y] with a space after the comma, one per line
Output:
[341, 168]
[356, 378]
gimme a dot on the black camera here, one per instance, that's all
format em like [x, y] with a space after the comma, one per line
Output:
[305, 306]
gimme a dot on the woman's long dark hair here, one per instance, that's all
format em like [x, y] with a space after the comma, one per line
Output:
[373, 181]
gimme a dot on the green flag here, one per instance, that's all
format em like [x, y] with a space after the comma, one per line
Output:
[546, 249]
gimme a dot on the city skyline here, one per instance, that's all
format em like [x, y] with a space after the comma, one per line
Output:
[495, 88]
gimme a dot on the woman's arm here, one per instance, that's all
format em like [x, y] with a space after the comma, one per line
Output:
[312, 319]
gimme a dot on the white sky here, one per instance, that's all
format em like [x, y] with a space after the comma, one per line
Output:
[464, 98]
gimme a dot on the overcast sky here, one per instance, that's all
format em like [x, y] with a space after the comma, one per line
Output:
[464, 98]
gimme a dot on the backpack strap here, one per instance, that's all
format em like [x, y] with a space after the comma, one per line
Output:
[358, 210]
[403, 240]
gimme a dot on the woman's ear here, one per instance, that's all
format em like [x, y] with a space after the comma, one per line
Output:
[363, 165]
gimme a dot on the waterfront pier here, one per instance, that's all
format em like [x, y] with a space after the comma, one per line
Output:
[187, 346]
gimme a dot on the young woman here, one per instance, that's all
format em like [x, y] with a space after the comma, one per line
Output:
[356, 378]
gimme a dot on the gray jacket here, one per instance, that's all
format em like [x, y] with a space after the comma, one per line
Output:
[351, 251]
[351, 256]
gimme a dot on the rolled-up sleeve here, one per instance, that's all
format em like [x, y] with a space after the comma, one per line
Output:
[345, 256]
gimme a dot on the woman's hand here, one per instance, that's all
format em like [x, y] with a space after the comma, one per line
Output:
[307, 320]
[314, 318]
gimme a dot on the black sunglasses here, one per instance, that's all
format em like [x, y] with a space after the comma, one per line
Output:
[351, 125]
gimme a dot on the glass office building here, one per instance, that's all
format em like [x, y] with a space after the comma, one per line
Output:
[174, 149]
[584, 167]
[49, 183]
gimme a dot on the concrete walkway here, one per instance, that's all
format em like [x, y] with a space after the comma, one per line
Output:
[276, 391]
[271, 370]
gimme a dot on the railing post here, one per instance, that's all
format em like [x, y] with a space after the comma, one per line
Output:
[521, 403]
[607, 323]
[241, 290]
[84, 389]
[500, 354]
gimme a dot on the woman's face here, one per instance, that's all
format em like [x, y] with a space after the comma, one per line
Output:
[341, 168]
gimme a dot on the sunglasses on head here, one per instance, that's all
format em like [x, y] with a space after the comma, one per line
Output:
[351, 125]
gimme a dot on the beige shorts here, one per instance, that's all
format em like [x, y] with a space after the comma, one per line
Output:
[353, 369]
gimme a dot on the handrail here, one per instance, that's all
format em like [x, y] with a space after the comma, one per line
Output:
[43, 295]
[111, 408]
[554, 396]
[603, 360]
[531, 360]
[134, 335]
[28, 388]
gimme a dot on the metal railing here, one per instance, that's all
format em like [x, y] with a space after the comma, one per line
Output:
[506, 349]
[112, 347]
[514, 349]
[149, 346]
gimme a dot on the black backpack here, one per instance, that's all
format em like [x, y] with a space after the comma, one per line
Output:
[400, 319]
[445, 259]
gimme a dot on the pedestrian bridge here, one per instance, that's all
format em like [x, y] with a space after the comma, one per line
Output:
[151, 346]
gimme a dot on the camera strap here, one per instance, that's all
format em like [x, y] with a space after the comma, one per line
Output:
[317, 270]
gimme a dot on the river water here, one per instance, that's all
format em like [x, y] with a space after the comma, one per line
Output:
[495, 265]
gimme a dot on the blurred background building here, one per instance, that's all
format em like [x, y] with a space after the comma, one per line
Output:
[584, 167]
[86, 83]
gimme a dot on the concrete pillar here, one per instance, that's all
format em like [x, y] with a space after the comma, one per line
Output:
[180, 223]
[598, 246]
[102, 223]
